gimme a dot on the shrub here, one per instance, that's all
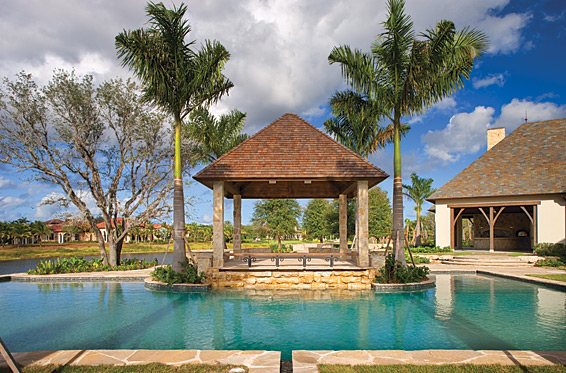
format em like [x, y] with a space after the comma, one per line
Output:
[551, 249]
[429, 249]
[550, 262]
[419, 259]
[79, 264]
[393, 272]
[283, 249]
[188, 275]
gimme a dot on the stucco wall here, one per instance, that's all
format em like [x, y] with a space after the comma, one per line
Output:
[551, 216]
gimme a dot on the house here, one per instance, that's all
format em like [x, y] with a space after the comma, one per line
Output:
[514, 194]
[60, 235]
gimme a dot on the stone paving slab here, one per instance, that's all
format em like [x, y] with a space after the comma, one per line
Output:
[256, 361]
[307, 361]
[137, 275]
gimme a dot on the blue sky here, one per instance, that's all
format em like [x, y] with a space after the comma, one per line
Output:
[278, 63]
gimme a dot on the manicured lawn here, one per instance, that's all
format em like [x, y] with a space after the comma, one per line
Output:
[150, 368]
[468, 368]
[91, 248]
[557, 276]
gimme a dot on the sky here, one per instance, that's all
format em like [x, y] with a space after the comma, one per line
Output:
[279, 64]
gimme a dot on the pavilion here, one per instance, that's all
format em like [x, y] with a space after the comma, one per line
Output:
[290, 159]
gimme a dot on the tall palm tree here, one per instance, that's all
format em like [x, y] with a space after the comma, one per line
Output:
[214, 137]
[176, 78]
[405, 75]
[356, 123]
[419, 190]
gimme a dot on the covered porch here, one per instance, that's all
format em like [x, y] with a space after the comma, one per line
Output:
[495, 226]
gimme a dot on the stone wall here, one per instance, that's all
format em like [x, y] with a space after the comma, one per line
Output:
[347, 279]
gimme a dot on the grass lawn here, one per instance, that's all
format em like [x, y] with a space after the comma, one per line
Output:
[449, 368]
[91, 248]
[149, 368]
[557, 276]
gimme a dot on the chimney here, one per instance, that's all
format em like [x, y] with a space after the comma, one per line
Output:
[494, 136]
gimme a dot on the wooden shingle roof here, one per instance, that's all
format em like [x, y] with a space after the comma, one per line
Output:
[288, 153]
[530, 160]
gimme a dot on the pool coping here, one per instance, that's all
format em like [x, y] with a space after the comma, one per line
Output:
[142, 275]
[304, 361]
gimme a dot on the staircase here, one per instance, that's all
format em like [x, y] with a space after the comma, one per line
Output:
[488, 260]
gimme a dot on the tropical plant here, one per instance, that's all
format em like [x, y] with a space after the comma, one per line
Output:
[187, 275]
[404, 75]
[419, 190]
[177, 79]
[279, 216]
[79, 264]
[213, 137]
[394, 272]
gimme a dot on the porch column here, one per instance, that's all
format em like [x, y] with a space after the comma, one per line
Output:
[343, 222]
[459, 233]
[535, 226]
[237, 223]
[491, 231]
[363, 224]
[218, 224]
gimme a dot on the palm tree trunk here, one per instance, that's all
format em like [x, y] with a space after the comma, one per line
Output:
[178, 205]
[397, 233]
[418, 240]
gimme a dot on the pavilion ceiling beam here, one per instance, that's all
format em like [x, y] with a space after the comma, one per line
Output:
[230, 188]
[350, 188]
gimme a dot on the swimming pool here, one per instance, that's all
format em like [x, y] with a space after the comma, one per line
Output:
[462, 312]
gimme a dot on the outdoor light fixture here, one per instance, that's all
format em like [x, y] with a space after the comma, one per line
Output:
[307, 181]
[272, 182]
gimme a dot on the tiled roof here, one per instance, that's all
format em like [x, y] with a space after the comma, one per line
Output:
[530, 160]
[290, 148]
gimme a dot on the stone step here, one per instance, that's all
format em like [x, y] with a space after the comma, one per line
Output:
[492, 259]
[489, 263]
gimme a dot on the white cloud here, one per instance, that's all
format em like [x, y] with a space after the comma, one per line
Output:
[491, 79]
[466, 132]
[10, 203]
[513, 113]
[505, 33]
[206, 219]
[446, 104]
[6, 183]
[463, 135]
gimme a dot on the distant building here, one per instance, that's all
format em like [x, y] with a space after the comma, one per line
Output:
[514, 194]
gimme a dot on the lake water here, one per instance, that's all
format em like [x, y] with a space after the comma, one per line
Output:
[23, 265]
[462, 312]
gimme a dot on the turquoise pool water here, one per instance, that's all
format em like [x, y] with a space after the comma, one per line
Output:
[462, 312]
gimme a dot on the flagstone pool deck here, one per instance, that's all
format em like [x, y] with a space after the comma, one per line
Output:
[303, 361]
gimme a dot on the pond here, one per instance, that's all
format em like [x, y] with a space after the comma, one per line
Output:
[462, 312]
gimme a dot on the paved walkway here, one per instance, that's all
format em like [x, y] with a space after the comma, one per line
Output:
[255, 361]
[307, 361]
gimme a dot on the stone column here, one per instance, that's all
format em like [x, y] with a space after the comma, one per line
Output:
[237, 223]
[363, 224]
[343, 221]
[218, 224]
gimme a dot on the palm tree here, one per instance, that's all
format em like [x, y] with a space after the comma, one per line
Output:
[419, 190]
[356, 123]
[40, 229]
[214, 137]
[405, 75]
[177, 79]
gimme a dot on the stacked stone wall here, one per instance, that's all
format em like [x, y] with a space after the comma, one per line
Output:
[292, 279]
